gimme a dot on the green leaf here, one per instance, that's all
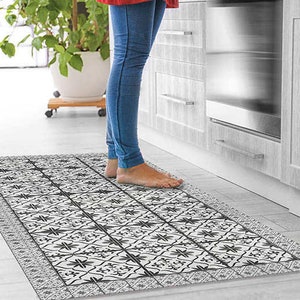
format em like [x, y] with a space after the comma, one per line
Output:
[4, 41]
[63, 60]
[63, 69]
[50, 41]
[74, 37]
[81, 19]
[42, 14]
[67, 56]
[104, 51]
[52, 61]
[93, 42]
[72, 49]
[10, 8]
[53, 14]
[60, 49]
[60, 4]
[8, 49]
[76, 62]
[11, 19]
[24, 39]
[31, 8]
[37, 43]
[44, 2]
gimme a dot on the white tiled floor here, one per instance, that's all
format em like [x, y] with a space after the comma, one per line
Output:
[24, 129]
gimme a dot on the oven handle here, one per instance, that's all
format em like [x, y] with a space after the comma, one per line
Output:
[177, 100]
[223, 144]
[176, 32]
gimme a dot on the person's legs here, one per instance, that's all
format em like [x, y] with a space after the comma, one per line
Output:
[134, 27]
[124, 19]
[112, 156]
[158, 16]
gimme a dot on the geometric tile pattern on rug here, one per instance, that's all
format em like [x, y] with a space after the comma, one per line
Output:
[76, 233]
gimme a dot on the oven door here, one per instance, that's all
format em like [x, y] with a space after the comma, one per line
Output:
[244, 64]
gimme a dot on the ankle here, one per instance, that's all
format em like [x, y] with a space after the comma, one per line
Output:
[111, 168]
[128, 171]
[123, 171]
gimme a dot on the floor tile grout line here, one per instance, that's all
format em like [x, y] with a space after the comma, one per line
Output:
[197, 244]
[74, 155]
[205, 204]
[193, 198]
[28, 233]
[151, 210]
[51, 264]
[241, 214]
[101, 228]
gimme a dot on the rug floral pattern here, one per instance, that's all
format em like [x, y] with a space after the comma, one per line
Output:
[76, 233]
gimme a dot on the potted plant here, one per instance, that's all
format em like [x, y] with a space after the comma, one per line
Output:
[76, 34]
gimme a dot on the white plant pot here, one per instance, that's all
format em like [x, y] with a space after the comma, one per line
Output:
[87, 85]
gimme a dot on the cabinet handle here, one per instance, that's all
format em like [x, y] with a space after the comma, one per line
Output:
[223, 144]
[177, 100]
[176, 32]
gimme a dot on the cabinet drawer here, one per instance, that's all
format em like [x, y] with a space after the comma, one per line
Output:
[187, 11]
[179, 53]
[178, 102]
[181, 34]
[244, 148]
[187, 33]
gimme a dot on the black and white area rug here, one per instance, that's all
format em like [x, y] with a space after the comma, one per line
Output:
[76, 233]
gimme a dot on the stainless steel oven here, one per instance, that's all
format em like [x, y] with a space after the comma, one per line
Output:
[244, 64]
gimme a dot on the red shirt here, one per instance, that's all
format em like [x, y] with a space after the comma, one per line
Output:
[170, 3]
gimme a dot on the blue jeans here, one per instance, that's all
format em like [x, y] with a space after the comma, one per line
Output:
[134, 30]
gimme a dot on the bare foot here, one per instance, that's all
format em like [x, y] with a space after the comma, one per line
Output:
[111, 168]
[146, 176]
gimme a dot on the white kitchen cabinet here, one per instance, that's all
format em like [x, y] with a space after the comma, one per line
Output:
[246, 149]
[178, 100]
[291, 94]
[181, 36]
[172, 98]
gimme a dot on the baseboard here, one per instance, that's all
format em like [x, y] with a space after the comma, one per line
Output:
[264, 185]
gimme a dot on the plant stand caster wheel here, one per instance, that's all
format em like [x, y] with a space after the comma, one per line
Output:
[102, 112]
[56, 94]
[49, 113]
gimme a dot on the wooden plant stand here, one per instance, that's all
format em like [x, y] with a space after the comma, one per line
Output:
[55, 103]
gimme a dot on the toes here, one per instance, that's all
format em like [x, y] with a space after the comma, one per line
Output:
[163, 184]
[177, 183]
[170, 183]
[166, 185]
